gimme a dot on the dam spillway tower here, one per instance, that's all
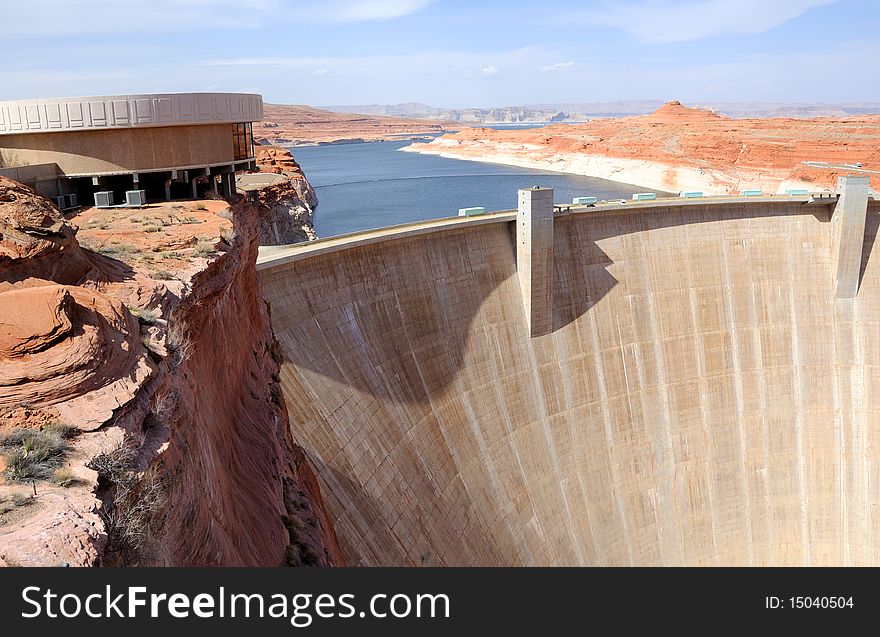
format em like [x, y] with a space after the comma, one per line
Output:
[534, 257]
[848, 233]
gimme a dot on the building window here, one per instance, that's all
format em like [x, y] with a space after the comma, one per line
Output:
[243, 141]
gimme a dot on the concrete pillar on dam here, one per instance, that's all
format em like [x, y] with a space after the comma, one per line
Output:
[849, 234]
[534, 257]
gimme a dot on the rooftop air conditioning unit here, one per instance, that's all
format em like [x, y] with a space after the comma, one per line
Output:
[104, 199]
[72, 201]
[135, 198]
[61, 202]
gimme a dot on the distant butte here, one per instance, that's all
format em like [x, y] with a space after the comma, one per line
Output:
[680, 148]
[297, 125]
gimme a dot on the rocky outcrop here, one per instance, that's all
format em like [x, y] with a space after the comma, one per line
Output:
[35, 240]
[679, 148]
[242, 491]
[72, 346]
[286, 206]
[158, 356]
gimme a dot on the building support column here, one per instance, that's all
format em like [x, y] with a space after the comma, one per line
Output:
[534, 257]
[214, 185]
[168, 190]
[195, 188]
[227, 180]
[848, 234]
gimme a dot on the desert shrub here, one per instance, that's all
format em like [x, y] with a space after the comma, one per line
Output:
[145, 316]
[204, 248]
[10, 504]
[201, 206]
[117, 250]
[152, 228]
[228, 235]
[64, 477]
[275, 351]
[178, 343]
[58, 428]
[298, 551]
[14, 501]
[32, 454]
[164, 275]
[21, 499]
[134, 499]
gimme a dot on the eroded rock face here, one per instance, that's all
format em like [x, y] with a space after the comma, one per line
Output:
[188, 390]
[285, 208]
[72, 348]
[229, 455]
[35, 239]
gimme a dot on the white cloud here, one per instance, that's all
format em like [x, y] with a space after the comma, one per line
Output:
[320, 72]
[680, 21]
[559, 66]
[47, 17]
[365, 10]
[489, 70]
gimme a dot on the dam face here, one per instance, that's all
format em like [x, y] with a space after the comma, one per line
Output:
[703, 398]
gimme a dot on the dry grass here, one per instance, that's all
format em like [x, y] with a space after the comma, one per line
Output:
[145, 316]
[204, 248]
[65, 477]
[178, 343]
[33, 454]
[135, 499]
[164, 275]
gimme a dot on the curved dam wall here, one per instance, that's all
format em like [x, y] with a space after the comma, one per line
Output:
[702, 398]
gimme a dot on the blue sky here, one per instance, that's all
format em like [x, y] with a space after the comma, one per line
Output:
[450, 53]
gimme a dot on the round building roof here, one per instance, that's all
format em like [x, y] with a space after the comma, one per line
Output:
[53, 115]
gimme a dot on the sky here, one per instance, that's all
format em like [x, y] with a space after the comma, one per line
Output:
[447, 53]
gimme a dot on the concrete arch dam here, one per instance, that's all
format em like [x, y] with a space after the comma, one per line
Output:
[706, 392]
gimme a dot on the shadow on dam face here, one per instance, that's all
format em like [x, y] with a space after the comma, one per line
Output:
[703, 398]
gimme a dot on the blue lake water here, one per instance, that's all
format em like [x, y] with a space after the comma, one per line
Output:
[371, 185]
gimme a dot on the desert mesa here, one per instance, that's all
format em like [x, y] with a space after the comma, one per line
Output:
[677, 148]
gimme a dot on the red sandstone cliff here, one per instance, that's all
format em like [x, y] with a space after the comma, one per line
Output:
[680, 148]
[152, 368]
[286, 207]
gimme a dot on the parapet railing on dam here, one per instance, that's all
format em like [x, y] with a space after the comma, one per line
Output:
[534, 235]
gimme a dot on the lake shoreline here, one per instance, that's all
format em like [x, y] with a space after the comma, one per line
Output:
[367, 186]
